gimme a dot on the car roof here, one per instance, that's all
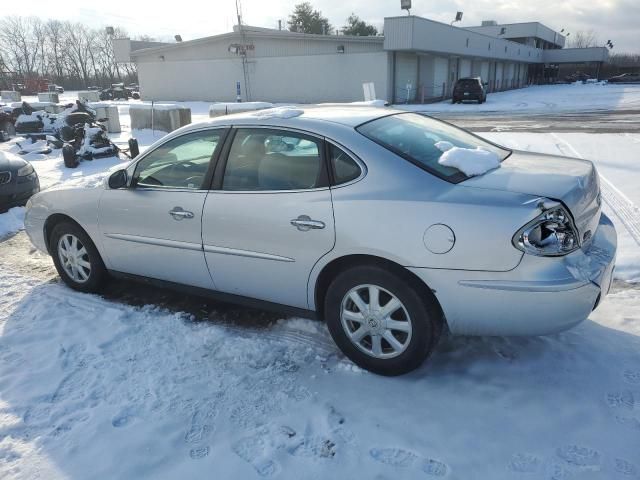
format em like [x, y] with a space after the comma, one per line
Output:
[350, 116]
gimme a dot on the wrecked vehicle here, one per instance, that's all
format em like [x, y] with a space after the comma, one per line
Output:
[389, 225]
[118, 91]
[76, 130]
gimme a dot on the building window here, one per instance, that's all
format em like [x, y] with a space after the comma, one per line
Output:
[518, 51]
[505, 49]
[489, 46]
[467, 43]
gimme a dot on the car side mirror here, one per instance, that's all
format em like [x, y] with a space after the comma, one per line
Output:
[118, 179]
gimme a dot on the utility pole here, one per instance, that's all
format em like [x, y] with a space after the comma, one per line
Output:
[243, 52]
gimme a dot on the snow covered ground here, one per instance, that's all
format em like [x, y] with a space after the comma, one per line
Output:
[91, 388]
[547, 99]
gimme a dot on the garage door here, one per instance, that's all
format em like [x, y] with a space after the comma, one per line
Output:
[465, 68]
[406, 74]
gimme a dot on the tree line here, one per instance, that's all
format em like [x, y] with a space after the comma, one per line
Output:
[305, 19]
[66, 53]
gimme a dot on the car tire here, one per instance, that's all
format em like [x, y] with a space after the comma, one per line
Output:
[415, 322]
[80, 252]
[69, 156]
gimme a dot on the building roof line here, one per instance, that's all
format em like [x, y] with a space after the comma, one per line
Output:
[262, 33]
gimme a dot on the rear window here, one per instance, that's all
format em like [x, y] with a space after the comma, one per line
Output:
[467, 83]
[413, 137]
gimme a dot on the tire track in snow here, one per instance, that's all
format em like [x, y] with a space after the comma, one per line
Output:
[620, 204]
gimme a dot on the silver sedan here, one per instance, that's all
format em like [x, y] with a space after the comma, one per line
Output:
[350, 215]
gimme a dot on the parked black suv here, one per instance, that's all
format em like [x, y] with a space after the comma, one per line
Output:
[469, 89]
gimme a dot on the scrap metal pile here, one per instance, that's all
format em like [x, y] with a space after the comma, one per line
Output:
[76, 130]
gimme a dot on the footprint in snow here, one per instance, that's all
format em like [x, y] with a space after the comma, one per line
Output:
[622, 399]
[396, 457]
[252, 450]
[314, 447]
[198, 453]
[524, 463]
[625, 468]
[632, 376]
[579, 456]
[399, 458]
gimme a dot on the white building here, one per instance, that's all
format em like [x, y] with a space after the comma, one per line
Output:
[417, 60]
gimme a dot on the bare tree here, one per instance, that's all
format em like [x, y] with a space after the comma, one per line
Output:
[584, 39]
[64, 52]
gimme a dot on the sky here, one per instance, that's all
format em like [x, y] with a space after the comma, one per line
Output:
[615, 20]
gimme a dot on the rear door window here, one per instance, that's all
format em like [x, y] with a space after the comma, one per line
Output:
[265, 159]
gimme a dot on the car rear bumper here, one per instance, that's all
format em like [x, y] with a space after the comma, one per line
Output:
[542, 295]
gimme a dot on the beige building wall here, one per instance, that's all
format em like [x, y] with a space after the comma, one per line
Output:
[303, 79]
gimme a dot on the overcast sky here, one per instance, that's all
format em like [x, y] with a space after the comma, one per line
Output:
[618, 20]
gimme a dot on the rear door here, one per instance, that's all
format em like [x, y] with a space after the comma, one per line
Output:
[269, 217]
[153, 228]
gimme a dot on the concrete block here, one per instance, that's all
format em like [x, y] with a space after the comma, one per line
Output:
[48, 97]
[89, 96]
[48, 107]
[110, 113]
[166, 117]
[10, 96]
[223, 108]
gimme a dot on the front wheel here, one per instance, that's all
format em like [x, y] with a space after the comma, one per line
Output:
[381, 321]
[76, 258]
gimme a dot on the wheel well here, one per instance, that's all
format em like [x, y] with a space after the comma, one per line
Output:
[335, 267]
[51, 223]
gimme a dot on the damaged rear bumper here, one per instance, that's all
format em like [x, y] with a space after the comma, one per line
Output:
[542, 295]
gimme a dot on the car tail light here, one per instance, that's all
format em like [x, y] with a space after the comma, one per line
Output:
[552, 233]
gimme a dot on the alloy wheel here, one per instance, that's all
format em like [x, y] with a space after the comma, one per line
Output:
[376, 321]
[74, 258]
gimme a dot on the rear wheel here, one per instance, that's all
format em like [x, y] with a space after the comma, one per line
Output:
[76, 258]
[381, 321]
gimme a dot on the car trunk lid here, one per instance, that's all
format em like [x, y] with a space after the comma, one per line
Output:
[572, 181]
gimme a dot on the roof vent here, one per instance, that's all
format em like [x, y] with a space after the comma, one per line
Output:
[489, 23]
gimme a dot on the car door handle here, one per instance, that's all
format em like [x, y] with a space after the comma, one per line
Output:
[304, 223]
[178, 213]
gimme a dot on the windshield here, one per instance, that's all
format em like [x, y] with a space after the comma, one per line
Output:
[413, 136]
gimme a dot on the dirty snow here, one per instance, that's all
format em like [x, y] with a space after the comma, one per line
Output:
[11, 221]
[470, 161]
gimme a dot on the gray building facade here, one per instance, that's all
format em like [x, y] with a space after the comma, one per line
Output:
[417, 60]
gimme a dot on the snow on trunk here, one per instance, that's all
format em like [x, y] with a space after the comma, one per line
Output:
[470, 161]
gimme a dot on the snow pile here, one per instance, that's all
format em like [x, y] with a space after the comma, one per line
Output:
[279, 112]
[11, 221]
[40, 146]
[470, 161]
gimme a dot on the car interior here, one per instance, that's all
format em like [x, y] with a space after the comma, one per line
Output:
[268, 161]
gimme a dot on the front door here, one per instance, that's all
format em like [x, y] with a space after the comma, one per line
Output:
[153, 228]
[270, 217]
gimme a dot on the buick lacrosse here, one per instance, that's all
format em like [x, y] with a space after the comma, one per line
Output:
[390, 226]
